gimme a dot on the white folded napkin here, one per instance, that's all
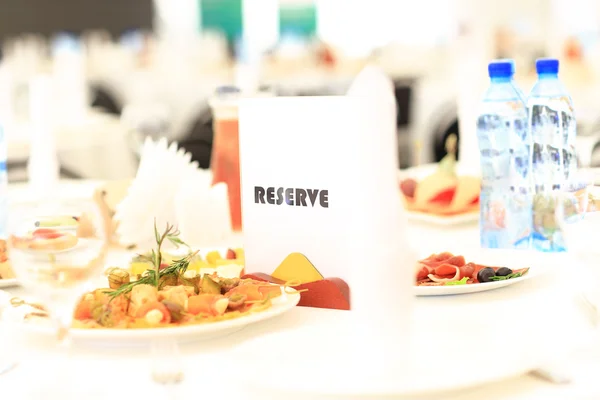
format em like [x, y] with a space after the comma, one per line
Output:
[202, 211]
[169, 188]
[163, 169]
[382, 293]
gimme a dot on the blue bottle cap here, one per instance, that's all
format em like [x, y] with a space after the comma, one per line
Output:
[501, 69]
[546, 66]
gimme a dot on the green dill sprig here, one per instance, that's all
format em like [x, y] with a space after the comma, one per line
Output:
[153, 276]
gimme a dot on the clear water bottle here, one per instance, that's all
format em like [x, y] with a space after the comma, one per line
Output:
[504, 145]
[517, 88]
[553, 129]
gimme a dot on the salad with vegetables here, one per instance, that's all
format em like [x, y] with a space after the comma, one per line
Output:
[447, 269]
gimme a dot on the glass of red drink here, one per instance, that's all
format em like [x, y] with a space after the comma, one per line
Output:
[225, 158]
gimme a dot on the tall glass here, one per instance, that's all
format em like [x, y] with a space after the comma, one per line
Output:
[552, 212]
[225, 158]
[580, 230]
[55, 249]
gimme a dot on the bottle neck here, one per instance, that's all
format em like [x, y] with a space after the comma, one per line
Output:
[501, 79]
[547, 76]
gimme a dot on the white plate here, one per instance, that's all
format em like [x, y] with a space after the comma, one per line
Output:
[464, 289]
[513, 259]
[144, 337]
[6, 283]
[422, 171]
[322, 360]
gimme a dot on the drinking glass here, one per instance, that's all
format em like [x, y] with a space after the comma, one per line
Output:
[225, 158]
[565, 206]
[56, 248]
[580, 223]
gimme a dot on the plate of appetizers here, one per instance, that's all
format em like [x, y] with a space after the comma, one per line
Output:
[442, 193]
[448, 274]
[184, 296]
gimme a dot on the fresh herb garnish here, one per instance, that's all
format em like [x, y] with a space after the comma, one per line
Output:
[153, 276]
[463, 281]
[510, 276]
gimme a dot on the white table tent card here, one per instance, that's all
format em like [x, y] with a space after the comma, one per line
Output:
[319, 178]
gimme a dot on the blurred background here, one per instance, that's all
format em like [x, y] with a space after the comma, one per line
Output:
[120, 70]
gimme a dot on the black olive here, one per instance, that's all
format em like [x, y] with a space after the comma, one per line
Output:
[504, 271]
[485, 274]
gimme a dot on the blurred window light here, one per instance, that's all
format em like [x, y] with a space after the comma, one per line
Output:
[578, 19]
[423, 22]
[260, 24]
[361, 24]
[577, 16]
[176, 17]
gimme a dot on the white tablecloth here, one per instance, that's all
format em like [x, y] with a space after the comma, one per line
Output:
[546, 302]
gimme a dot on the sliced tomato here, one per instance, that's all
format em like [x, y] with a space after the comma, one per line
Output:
[444, 197]
[45, 233]
[230, 255]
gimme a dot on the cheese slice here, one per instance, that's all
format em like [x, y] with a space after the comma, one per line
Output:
[296, 267]
[467, 191]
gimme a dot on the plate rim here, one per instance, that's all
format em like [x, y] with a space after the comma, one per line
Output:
[118, 337]
[429, 291]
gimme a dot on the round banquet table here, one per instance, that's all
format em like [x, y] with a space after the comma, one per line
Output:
[210, 366]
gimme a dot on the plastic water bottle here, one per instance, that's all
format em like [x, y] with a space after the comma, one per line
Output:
[517, 88]
[553, 131]
[504, 145]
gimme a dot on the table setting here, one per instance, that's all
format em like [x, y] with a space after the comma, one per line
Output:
[306, 277]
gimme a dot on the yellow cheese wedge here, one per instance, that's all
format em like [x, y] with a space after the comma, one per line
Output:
[213, 256]
[296, 267]
[224, 261]
[467, 190]
[196, 264]
[139, 267]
